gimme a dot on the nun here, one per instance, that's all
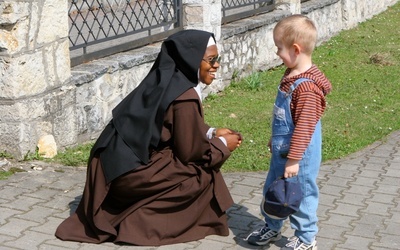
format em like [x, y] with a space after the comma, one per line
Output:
[153, 175]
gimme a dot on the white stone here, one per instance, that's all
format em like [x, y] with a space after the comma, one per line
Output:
[47, 146]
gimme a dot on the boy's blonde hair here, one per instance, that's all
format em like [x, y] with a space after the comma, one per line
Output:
[297, 29]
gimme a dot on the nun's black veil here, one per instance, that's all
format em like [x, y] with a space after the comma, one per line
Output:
[137, 120]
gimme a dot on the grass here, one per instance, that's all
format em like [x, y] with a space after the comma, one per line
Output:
[362, 64]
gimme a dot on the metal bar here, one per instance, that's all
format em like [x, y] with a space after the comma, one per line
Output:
[245, 14]
[89, 56]
[235, 10]
[98, 41]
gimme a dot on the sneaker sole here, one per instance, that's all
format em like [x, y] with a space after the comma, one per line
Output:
[262, 243]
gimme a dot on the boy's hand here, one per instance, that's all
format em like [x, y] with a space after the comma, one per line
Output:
[269, 145]
[291, 168]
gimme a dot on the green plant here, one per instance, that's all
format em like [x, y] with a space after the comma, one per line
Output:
[74, 156]
[11, 171]
[253, 82]
[235, 75]
[29, 156]
[5, 174]
[5, 154]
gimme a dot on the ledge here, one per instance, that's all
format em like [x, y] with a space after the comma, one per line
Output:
[312, 5]
[250, 23]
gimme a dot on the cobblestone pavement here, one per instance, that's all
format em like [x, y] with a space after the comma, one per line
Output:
[359, 205]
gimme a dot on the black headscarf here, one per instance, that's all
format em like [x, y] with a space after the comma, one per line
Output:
[137, 120]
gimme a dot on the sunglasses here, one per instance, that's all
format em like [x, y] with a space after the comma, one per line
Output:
[212, 60]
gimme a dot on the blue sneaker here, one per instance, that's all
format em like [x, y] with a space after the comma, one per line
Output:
[263, 236]
[296, 244]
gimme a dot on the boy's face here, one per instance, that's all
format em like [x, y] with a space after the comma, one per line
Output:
[286, 53]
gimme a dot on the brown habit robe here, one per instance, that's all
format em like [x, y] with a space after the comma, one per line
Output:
[179, 196]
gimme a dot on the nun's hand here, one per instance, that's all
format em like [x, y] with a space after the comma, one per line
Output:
[233, 141]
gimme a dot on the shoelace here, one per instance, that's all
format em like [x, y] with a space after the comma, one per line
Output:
[293, 242]
[259, 232]
[296, 243]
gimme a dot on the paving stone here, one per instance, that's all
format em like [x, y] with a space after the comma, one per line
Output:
[375, 173]
[29, 240]
[365, 230]
[331, 190]
[339, 221]
[364, 181]
[331, 231]
[22, 203]
[241, 190]
[372, 219]
[350, 167]
[388, 242]
[382, 198]
[328, 200]
[9, 192]
[251, 181]
[356, 243]
[393, 173]
[15, 227]
[6, 213]
[37, 214]
[338, 181]
[354, 199]
[64, 244]
[48, 227]
[344, 173]
[375, 208]
[43, 194]
[346, 209]
[5, 238]
[359, 206]
[324, 211]
[387, 189]
[355, 188]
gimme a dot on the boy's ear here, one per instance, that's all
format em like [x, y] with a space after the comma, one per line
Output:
[297, 48]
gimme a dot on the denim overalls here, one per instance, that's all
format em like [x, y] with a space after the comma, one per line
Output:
[304, 222]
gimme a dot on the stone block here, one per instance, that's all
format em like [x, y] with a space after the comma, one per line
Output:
[65, 126]
[14, 23]
[22, 76]
[53, 23]
[10, 134]
[194, 15]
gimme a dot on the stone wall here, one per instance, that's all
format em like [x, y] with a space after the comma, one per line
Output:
[34, 65]
[41, 95]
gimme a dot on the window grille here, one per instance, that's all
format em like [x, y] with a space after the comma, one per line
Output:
[233, 10]
[98, 28]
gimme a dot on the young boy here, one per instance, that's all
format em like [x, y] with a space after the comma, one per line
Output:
[296, 141]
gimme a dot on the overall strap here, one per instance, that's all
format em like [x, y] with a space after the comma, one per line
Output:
[297, 83]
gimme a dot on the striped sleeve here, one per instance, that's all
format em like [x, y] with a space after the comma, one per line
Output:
[307, 106]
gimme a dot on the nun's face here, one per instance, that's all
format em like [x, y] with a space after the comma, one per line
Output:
[209, 65]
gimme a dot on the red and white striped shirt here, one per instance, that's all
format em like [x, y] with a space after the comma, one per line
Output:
[307, 106]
